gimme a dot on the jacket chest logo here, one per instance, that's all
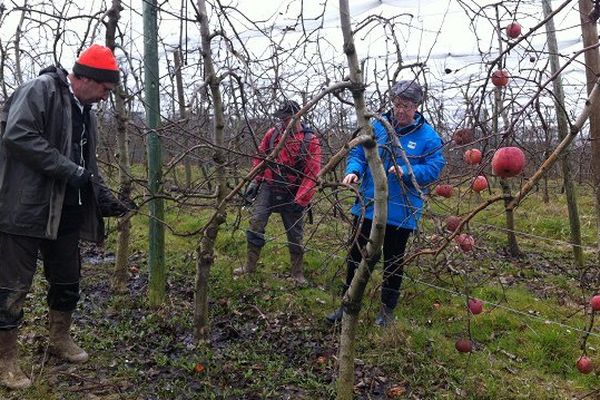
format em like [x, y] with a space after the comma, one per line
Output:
[412, 145]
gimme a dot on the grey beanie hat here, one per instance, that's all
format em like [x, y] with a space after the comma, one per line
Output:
[408, 89]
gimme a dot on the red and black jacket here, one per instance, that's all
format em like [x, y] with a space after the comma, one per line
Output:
[298, 170]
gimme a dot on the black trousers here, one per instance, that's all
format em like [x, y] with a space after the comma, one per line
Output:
[18, 262]
[394, 245]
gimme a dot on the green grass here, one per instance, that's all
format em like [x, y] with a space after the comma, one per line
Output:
[268, 339]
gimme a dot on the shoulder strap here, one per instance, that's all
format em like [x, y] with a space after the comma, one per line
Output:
[274, 135]
[308, 134]
[303, 152]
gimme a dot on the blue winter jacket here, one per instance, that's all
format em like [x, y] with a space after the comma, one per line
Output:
[423, 147]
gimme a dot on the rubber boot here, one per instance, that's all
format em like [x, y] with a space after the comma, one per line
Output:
[297, 261]
[61, 342]
[252, 256]
[11, 375]
[385, 316]
[335, 316]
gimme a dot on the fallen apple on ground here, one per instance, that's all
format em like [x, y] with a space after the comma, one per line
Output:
[464, 345]
[475, 306]
[584, 365]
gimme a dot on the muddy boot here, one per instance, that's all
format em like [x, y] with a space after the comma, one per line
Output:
[251, 260]
[11, 375]
[297, 261]
[61, 342]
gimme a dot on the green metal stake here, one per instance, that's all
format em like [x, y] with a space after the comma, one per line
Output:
[156, 239]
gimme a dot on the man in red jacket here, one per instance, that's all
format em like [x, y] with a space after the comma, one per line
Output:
[286, 186]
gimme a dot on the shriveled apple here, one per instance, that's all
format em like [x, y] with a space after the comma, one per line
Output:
[465, 242]
[500, 78]
[452, 222]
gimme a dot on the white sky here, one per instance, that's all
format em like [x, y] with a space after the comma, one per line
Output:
[439, 32]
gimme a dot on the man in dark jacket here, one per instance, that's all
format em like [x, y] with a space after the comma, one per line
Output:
[286, 187]
[51, 196]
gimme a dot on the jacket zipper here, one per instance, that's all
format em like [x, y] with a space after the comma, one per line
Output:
[82, 143]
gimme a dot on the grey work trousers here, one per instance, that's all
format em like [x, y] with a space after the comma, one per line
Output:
[293, 221]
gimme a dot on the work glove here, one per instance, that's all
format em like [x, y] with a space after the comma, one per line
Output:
[250, 193]
[123, 206]
[79, 178]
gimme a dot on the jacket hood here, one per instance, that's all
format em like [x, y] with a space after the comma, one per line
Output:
[59, 71]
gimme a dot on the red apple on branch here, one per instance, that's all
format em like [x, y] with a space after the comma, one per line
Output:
[508, 162]
[513, 30]
[595, 302]
[479, 183]
[584, 365]
[473, 156]
[475, 306]
[444, 190]
[500, 78]
[464, 345]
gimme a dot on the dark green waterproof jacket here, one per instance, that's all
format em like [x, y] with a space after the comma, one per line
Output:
[35, 164]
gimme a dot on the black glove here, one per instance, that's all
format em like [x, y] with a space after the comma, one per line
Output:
[130, 204]
[123, 206]
[250, 193]
[80, 178]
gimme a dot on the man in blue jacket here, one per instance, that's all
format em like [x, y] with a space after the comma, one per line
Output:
[423, 148]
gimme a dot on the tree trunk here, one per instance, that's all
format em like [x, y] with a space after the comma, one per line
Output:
[206, 248]
[563, 129]
[182, 115]
[592, 63]
[513, 245]
[156, 230]
[121, 275]
[124, 224]
[353, 298]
